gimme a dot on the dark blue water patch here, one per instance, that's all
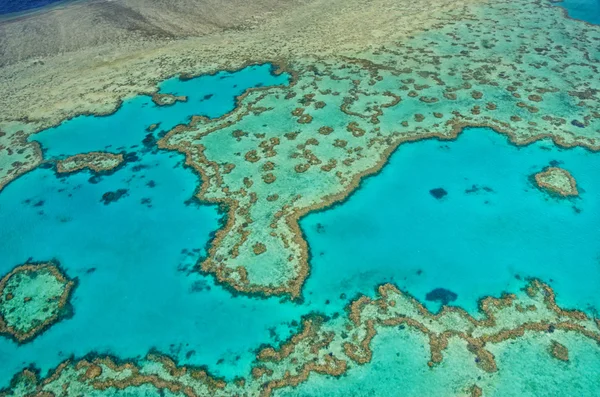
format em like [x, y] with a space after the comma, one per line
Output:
[583, 10]
[441, 295]
[15, 6]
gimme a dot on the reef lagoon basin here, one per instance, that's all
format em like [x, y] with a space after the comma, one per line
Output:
[189, 209]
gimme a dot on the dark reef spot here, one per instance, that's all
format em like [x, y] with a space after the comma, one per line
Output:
[320, 228]
[441, 295]
[111, 197]
[193, 201]
[39, 203]
[577, 123]
[555, 163]
[207, 97]
[419, 272]
[149, 141]
[473, 189]
[476, 188]
[138, 167]
[438, 193]
[151, 184]
[90, 270]
[94, 179]
[130, 157]
[199, 286]
[45, 166]
[190, 354]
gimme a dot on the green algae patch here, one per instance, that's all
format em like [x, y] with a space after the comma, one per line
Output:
[33, 297]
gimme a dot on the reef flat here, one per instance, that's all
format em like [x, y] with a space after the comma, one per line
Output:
[95, 79]
[312, 143]
[33, 297]
[334, 346]
[318, 101]
[95, 161]
[558, 181]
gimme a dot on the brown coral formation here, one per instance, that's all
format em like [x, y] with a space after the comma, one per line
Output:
[332, 346]
[94, 161]
[559, 351]
[18, 318]
[558, 181]
[167, 99]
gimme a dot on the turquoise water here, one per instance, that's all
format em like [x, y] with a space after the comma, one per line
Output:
[133, 257]
[584, 10]
[492, 230]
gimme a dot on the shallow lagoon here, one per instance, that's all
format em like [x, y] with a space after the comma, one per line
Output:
[584, 10]
[133, 257]
[491, 231]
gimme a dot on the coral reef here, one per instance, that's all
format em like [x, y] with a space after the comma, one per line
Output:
[557, 181]
[331, 346]
[33, 297]
[94, 161]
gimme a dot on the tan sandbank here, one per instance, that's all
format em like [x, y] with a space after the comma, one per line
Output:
[558, 181]
[94, 161]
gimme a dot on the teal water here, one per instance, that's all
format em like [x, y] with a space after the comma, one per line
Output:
[133, 257]
[492, 230]
[399, 368]
[584, 10]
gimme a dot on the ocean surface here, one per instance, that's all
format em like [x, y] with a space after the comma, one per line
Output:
[584, 10]
[15, 6]
[134, 257]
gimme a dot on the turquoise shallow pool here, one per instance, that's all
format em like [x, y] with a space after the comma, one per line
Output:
[584, 10]
[493, 229]
[134, 257]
